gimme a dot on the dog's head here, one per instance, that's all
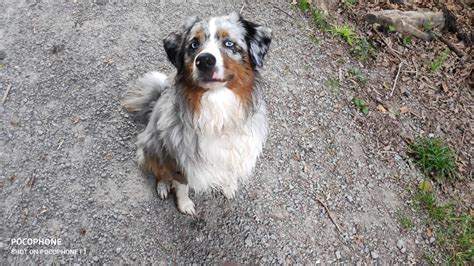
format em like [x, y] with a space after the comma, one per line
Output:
[219, 51]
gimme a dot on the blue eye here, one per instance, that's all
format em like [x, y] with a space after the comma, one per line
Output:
[195, 44]
[229, 44]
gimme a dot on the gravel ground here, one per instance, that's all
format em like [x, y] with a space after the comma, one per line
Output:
[67, 148]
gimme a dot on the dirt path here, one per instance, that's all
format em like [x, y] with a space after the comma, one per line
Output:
[67, 149]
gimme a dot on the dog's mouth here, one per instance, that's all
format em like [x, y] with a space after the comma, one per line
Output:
[215, 79]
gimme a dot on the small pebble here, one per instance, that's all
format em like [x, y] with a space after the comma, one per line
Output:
[248, 242]
[350, 199]
[338, 255]
[374, 255]
[95, 258]
[401, 246]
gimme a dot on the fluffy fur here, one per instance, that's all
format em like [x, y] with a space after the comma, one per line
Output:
[207, 124]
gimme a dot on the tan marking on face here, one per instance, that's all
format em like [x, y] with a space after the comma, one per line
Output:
[200, 36]
[223, 34]
[241, 77]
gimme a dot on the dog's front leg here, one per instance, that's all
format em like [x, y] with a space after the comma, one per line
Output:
[185, 204]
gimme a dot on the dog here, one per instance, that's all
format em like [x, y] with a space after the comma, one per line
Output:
[206, 124]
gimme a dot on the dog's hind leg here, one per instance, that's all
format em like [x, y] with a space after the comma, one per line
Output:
[152, 165]
[163, 188]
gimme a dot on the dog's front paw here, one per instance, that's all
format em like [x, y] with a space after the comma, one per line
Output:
[163, 188]
[186, 206]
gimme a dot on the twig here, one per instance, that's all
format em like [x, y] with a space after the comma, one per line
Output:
[451, 46]
[288, 14]
[390, 49]
[242, 8]
[6, 94]
[60, 144]
[329, 215]
[396, 78]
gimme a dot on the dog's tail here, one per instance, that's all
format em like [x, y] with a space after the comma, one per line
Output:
[141, 100]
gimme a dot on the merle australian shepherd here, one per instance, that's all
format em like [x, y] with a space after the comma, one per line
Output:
[207, 123]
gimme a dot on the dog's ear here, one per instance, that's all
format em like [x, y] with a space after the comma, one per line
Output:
[258, 39]
[174, 40]
[172, 44]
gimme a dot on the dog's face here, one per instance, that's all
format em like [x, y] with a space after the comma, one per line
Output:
[219, 51]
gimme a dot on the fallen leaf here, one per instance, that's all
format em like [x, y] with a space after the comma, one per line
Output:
[425, 186]
[403, 109]
[445, 87]
[381, 109]
[429, 231]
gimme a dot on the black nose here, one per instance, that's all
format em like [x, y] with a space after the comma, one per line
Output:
[205, 62]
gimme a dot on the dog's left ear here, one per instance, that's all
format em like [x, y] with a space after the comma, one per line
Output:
[258, 39]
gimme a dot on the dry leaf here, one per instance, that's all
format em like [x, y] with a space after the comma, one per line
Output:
[403, 109]
[426, 186]
[429, 231]
[445, 87]
[381, 109]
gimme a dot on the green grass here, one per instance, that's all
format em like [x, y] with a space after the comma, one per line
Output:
[438, 61]
[358, 74]
[405, 221]
[435, 159]
[406, 40]
[360, 47]
[345, 32]
[363, 50]
[333, 84]
[454, 229]
[361, 104]
[320, 20]
[349, 4]
[428, 26]
[303, 5]
[391, 28]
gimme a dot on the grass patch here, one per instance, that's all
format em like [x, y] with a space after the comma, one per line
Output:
[360, 47]
[452, 227]
[438, 61]
[304, 5]
[349, 4]
[435, 159]
[363, 49]
[361, 104]
[358, 74]
[320, 20]
[333, 84]
[406, 40]
[405, 221]
[345, 32]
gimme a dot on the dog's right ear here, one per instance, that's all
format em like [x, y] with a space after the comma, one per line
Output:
[172, 45]
[173, 41]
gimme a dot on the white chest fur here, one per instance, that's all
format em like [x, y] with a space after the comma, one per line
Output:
[229, 142]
